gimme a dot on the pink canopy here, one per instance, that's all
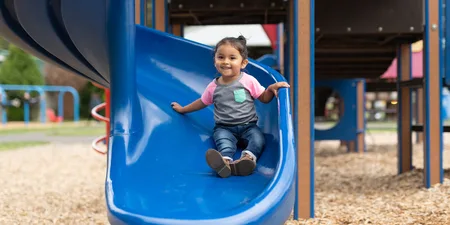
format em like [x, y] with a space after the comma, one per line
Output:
[417, 67]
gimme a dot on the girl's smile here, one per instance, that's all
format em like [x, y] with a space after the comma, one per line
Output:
[229, 62]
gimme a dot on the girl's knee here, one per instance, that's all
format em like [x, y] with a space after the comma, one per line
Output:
[260, 140]
[257, 138]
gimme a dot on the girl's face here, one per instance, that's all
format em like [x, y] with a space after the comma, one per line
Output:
[228, 61]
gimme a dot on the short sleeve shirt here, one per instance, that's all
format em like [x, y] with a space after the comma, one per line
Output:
[234, 102]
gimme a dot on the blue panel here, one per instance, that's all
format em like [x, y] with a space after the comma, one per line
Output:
[348, 121]
[35, 19]
[11, 30]
[92, 46]
[268, 60]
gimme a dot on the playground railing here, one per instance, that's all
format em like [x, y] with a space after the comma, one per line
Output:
[97, 116]
[94, 112]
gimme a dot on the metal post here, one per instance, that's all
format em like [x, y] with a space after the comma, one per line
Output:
[61, 104]
[121, 44]
[26, 110]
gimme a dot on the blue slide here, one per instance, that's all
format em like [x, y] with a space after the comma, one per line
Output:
[157, 173]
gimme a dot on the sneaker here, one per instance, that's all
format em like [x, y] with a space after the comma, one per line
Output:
[243, 166]
[218, 163]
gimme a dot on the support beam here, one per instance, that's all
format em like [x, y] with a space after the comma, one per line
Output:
[419, 113]
[303, 71]
[291, 50]
[160, 15]
[177, 29]
[433, 172]
[446, 6]
[358, 145]
[404, 114]
[280, 47]
[360, 112]
[138, 11]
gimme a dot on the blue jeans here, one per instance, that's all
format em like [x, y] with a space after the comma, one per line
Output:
[227, 138]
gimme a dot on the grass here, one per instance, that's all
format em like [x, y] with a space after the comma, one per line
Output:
[22, 130]
[82, 129]
[11, 145]
[64, 129]
[79, 131]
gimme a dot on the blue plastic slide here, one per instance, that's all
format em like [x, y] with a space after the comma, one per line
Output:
[157, 173]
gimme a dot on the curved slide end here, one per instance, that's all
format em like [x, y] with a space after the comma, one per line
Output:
[160, 176]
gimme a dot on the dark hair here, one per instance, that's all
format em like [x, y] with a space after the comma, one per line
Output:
[239, 43]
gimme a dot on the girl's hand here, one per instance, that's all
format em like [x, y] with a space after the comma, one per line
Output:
[274, 87]
[177, 107]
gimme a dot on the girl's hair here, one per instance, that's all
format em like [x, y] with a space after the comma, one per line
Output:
[239, 43]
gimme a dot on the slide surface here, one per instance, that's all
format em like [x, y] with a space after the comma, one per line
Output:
[158, 175]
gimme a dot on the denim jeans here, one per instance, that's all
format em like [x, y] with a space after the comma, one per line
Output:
[227, 138]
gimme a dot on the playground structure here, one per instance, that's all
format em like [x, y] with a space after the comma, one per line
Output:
[339, 52]
[41, 89]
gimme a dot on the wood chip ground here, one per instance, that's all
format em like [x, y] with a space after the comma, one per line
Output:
[58, 184]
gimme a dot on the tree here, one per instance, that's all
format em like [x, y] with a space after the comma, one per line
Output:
[20, 68]
[55, 75]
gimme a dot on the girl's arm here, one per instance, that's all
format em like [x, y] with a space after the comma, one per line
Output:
[194, 106]
[272, 91]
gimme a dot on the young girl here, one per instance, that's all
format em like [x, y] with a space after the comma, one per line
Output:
[233, 95]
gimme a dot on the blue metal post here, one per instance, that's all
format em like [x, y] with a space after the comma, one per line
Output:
[121, 44]
[4, 111]
[26, 111]
[76, 106]
[42, 104]
[143, 11]
[61, 104]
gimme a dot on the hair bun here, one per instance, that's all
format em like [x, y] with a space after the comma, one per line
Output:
[242, 39]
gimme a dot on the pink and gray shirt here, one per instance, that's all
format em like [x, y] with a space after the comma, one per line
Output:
[234, 102]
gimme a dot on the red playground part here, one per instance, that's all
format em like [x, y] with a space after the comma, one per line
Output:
[51, 116]
[105, 105]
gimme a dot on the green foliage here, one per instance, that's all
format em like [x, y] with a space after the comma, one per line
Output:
[85, 97]
[20, 68]
[3, 44]
[15, 114]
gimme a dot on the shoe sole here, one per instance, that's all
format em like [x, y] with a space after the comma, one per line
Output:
[242, 168]
[216, 162]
